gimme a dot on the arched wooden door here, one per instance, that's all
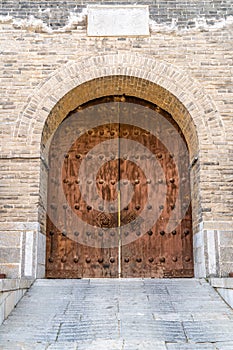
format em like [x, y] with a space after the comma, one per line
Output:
[119, 194]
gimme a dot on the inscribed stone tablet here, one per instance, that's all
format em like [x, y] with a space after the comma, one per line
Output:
[118, 20]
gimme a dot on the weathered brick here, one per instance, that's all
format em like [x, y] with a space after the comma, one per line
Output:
[185, 69]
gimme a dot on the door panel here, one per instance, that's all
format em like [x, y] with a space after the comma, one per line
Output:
[90, 250]
[118, 196]
[159, 251]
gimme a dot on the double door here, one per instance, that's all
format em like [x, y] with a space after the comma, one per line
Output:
[118, 196]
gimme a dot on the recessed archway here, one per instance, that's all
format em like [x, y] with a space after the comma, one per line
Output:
[134, 75]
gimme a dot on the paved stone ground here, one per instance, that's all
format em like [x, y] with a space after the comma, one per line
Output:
[125, 314]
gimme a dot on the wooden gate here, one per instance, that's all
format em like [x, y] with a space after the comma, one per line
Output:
[118, 194]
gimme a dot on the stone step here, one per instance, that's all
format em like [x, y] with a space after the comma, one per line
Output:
[124, 314]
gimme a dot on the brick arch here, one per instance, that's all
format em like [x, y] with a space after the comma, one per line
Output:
[161, 83]
[137, 75]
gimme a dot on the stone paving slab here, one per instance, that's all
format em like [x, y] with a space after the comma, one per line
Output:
[189, 346]
[62, 346]
[23, 346]
[102, 344]
[157, 330]
[224, 346]
[125, 314]
[144, 345]
[116, 345]
[209, 331]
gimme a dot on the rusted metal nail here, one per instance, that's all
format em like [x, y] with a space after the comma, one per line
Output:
[186, 232]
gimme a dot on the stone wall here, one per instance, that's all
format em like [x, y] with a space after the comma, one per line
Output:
[188, 53]
[11, 291]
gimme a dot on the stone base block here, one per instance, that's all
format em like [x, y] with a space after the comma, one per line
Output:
[11, 291]
[224, 287]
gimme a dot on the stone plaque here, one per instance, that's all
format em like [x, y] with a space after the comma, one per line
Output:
[118, 20]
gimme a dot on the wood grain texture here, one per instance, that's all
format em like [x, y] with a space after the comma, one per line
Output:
[157, 252]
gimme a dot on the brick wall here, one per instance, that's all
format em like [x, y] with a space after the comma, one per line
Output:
[56, 13]
[191, 59]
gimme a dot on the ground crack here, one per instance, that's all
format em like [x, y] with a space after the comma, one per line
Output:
[58, 331]
[186, 338]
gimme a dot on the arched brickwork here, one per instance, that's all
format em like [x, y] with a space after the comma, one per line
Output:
[119, 85]
[158, 82]
[141, 76]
